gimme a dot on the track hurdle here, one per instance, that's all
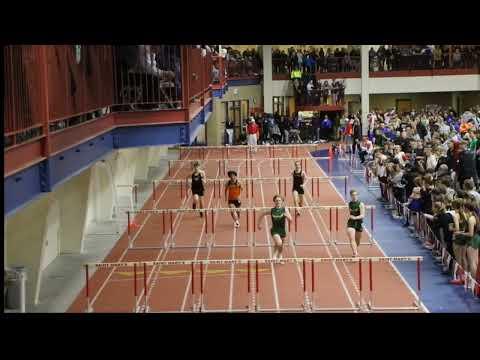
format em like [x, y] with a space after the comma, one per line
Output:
[244, 151]
[308, 290]
[416, 306]
[250, 215]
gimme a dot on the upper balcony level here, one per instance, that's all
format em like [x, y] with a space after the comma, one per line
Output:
[59, 96]
[396, 61]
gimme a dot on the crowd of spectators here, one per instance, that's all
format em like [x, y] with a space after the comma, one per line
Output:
[421, 57]
[245, 63]
[310, 91]
[428, 167]
[315, 60]
[294, 129]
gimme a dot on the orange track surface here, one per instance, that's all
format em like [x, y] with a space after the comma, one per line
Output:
[225, 286]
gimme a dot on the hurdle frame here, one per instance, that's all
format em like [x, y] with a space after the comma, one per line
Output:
[309, 302]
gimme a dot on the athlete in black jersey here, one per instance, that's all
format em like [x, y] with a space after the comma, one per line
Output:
[198, 186]
[299, 180]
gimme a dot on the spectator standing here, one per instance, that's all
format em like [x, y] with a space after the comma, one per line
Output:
[229, 130]
[252, 130]
[466, 164]
[326, 126]
[366, 149]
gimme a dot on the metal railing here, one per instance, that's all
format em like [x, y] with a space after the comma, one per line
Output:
[326, 64]
[244, 67]
[51, 88]
[147, 77]
[399, 62]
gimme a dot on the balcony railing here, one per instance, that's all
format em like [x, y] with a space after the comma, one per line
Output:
[147, 77]
[24, 115]
[405, 62]
[330, 64]
[241, 68]
[50, 89]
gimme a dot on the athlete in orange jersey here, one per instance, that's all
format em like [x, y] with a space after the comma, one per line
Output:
[233, 189]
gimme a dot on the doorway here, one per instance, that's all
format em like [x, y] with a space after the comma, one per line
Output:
[237, 111]
[354, 107]
[281, 104]
[403, 106]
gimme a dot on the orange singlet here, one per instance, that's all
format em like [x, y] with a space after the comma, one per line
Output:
[234, 190]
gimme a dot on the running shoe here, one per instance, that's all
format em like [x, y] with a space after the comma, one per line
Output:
[457, 282]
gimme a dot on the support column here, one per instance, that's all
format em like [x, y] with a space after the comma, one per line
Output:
[267, 79]
[365, 94]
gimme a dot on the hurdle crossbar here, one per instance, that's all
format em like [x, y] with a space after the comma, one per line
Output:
[374, 259]
[274, 179]
[242, 209]
[252, 281]
[200, 161]
[248, 146]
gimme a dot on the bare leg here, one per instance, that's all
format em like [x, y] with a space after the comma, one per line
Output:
[277, 250]
[300, 198]
[296, 201]
[234, 214]
[351, 238]
[195, 201]
[358, 237]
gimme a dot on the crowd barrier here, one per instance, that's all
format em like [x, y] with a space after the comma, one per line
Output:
[420, 225]
[423, 231]
[196, 270]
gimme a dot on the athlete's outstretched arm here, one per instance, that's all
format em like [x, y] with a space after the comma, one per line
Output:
[288, 215]
[260, 218]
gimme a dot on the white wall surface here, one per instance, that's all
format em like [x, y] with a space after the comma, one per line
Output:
[394, 85]
[417, 84]
[282, 88]
[51, 235]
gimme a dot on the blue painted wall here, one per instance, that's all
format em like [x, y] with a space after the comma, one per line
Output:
[243, 82]
[73, 161]
[29, 184]
[153, 135]
[21, 188]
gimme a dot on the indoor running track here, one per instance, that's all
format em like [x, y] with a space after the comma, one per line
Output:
[169, 288]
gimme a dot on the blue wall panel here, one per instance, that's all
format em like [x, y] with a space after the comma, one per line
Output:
[243, 82]
[29, 184]
[138, 136]
[73, 161]
[21, 188]
[196, 125]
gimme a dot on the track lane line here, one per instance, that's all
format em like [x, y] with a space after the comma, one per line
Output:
[377, 244]
[122, 256]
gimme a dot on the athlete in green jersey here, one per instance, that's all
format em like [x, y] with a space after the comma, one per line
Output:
[278, 214]
[355, 221]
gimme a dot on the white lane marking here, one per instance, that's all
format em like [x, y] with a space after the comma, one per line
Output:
[277, 303]
[134, 237]
[187, 288]
[376, 243]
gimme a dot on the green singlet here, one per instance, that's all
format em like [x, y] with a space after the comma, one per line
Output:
[462, 239]
[278, 222]
[354, 207]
